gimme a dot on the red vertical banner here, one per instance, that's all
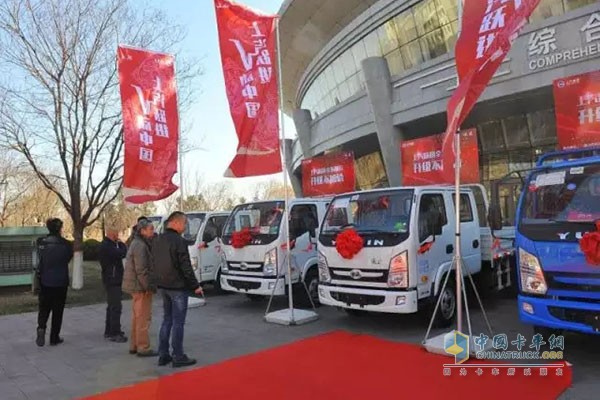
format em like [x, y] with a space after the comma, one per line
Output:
[248, 53]
[577, 108]
[423, 160]
[329, 174]
[150, 123]
[488, 30]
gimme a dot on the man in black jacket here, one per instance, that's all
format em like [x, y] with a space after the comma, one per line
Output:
[176, 280]
[111, 254]
[54, 254]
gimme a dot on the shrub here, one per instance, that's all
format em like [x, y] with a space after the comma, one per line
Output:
[90, 249]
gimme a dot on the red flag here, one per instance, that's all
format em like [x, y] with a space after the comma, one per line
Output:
[248, 41]
[577, 109]
[150, 124]
[488, 29]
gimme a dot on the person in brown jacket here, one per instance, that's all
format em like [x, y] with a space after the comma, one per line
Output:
[139, 281]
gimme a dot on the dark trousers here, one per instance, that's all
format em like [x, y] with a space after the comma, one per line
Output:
[52, 300]
[112, 326]
[175, 305]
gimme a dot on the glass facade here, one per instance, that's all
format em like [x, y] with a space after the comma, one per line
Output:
[370, 172]
[420, 33]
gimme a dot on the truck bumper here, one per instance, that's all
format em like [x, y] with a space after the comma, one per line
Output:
[251, 285]
[575, 316]
[397, 302]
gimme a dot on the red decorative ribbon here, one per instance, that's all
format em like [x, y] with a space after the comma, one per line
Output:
[241, 239]
[348, 243]
[590, 245]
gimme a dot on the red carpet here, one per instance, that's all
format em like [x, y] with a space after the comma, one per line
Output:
[341, 365]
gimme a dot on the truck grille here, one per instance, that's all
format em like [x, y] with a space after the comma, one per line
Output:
[554, 282]
[245, 266]
[353, 275]
[358, 299]
[243, 285]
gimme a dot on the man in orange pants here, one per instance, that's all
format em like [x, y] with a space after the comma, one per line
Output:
[139, 281]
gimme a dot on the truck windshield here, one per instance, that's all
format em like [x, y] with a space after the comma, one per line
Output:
[193, 224]
[260, 218]
[563, 196]
[385, 212]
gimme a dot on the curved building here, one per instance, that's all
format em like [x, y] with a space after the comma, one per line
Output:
[364, 75]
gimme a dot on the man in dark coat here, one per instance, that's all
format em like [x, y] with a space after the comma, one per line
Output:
[111, 254]
[176, 280]
[54, 254]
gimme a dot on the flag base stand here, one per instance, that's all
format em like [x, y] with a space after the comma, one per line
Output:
[195, 302]
[291, 317]
[436, 345]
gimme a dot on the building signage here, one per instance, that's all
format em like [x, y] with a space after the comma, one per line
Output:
[544, 52]
[423, 160]
[330, 174]
[577, 102]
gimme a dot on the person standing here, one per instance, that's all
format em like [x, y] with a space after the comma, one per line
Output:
[111, 254]
[176, 280]
[134, 230]
[139, 281]
[54, 254]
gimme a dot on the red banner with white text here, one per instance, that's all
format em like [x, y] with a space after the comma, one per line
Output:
[248, 52]
[150, 124]
[423, 160]
[327, 175]
[577, 108]
[488, 29]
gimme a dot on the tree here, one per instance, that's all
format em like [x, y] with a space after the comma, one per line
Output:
[12, 185]
[60, 110]
[272, 190]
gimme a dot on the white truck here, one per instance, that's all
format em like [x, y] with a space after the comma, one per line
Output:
[254, 268]
[203, 230]
[408, 236]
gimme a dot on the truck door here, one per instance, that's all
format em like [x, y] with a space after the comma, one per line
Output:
[209, 248]
[441, 249]
[304, 223]
[470, 232]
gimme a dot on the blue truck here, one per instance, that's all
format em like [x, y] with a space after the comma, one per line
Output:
[559, 202]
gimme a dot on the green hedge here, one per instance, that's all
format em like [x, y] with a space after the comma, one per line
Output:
[90, 249]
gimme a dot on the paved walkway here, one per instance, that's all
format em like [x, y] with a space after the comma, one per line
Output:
[227, 327]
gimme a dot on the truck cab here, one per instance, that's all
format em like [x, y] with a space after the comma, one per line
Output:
[203, 230]
[258, 267]
[560, 202]
[408, 236]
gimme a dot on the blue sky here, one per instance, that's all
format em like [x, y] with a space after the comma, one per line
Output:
[212, 127]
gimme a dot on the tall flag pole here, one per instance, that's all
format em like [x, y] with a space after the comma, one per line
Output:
[487, 31]
[150, 123]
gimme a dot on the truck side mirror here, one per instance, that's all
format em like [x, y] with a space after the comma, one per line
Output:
[495, 217]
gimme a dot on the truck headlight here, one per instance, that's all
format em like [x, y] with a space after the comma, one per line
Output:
[398, 274]
[224, 265]
[324, 275]
[532, 276]
[270, 263]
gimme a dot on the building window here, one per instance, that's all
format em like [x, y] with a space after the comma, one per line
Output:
[571, 5]
[394, 60]
[426, 17]
[370, 172]
[547, 9]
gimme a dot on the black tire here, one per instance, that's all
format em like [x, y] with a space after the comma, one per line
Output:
[255, 298]
[355, 313]
[446, 312]
[217, 283]
[311, 280]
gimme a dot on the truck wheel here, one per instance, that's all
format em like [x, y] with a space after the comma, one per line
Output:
[217, 283]
[255, 298]
[312, 284]
[447, 308]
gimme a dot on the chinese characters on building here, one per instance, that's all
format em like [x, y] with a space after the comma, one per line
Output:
[327, 175]
[589, 108]
[258, 68]
[427, 161]
[544, 51]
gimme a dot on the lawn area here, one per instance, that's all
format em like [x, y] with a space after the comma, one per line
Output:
[16, 300]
